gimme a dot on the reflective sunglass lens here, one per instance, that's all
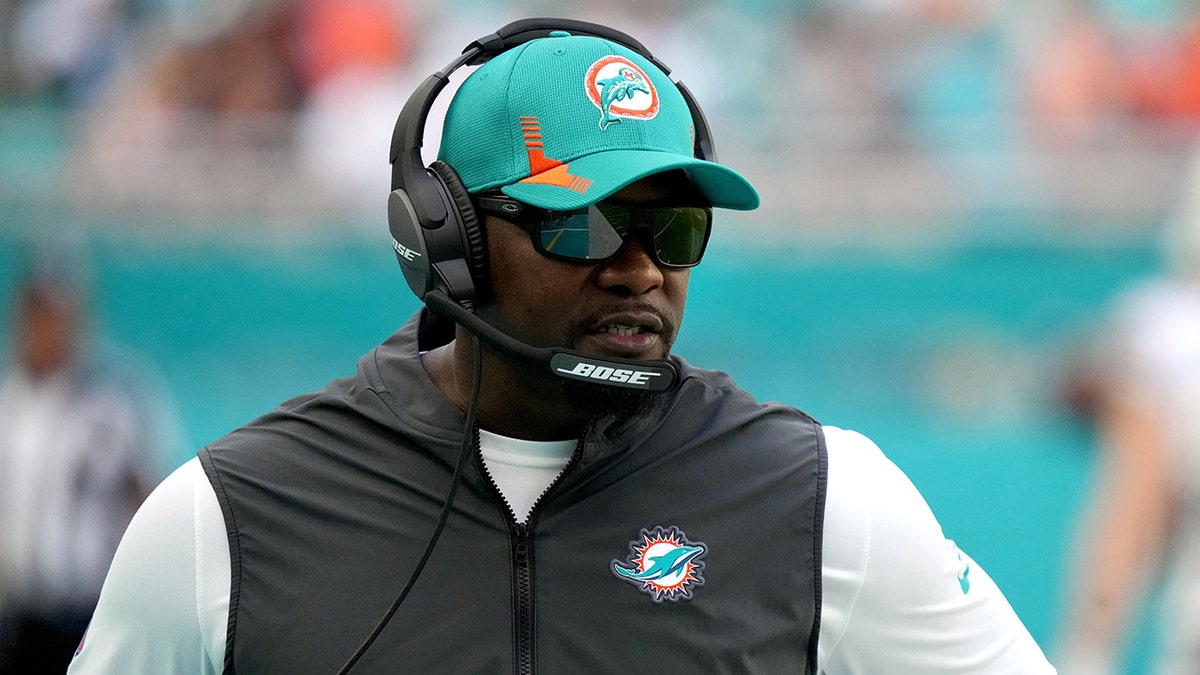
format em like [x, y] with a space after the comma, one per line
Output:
[572, 234]
[679, 235]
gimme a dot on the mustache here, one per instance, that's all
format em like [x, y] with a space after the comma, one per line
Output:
[589, 322]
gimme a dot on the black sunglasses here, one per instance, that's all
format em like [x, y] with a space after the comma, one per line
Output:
[598, 233]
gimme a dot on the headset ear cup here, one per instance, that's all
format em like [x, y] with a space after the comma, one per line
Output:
[408, 240]
[472, 230]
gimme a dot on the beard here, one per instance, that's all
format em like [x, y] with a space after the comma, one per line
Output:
[600, 401]
[624, 404]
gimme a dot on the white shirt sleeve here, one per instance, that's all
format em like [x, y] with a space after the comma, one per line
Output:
[898, 597]
[164, 607]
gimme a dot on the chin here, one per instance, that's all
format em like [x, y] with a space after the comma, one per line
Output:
[603, 401]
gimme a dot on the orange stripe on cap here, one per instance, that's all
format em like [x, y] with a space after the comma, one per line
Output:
[544, 170]
[580, 184]
[560, 176]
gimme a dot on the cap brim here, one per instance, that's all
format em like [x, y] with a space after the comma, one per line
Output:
[611, 170]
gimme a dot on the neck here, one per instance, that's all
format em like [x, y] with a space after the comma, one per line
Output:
[513, 401]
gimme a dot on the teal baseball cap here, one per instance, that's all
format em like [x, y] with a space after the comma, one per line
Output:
[564, 121]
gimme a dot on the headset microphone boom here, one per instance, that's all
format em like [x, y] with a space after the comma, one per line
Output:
[646, 375]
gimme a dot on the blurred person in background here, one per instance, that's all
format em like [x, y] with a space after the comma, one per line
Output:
[80, 447]
[63, 50]
[1141, 528]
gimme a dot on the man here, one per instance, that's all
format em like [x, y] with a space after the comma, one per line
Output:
[543, 487]
[78, 454]
[1140, 386]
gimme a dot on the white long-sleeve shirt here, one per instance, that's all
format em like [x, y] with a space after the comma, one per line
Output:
[897, 595]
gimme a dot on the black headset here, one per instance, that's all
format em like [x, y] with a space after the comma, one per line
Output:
[438, 239]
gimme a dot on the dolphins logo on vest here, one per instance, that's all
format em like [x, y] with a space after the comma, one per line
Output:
[663, 564]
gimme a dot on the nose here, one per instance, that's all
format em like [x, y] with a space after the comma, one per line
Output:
[633, 272]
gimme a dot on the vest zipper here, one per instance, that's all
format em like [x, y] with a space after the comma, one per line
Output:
[523, 584]
[523, 562]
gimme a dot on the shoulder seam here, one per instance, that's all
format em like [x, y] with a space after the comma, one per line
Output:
[235, 551]
[818, 544]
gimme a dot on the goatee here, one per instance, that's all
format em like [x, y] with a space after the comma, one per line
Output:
[623, 404]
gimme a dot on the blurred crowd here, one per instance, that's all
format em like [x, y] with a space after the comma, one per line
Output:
[967, 101]
[1069, 63]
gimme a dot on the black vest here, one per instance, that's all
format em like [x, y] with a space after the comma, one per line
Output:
[689, 541]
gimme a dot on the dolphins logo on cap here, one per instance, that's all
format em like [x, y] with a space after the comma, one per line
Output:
[619, 89]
